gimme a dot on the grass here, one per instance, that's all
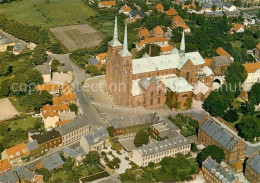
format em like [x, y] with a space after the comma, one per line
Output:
[55, 13]
[15, 102]
[25, 123]
[236, 44]
[2, 78]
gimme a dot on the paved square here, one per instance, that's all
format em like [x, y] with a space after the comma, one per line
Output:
[7, 110]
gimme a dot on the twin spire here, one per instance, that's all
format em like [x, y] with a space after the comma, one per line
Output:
[115, 42]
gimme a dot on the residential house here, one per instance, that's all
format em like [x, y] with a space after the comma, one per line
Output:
[47, 141]
[214, 173]
[201, 91]
[15, 154]
[144, 33]
[212, 133]
[159, 41]
[159, 7]
[76, 156]
[219, 65]
[253, 72]
[177, 21]
[130, 126]
[9, 177]
[189, 6]
[4, 166]
[106, 4]
[5, 42]
[62, 77]
[94, 141]
[69, 98]
[233, 13]
[53, 89]
[135, 15]
[51, 162]
[237, 29]
[252, 172]
[74, 130]
[171, 12]
[64, 69]
[67, 89]
[220, 51]
[157, 32]
[257, 52]
[229, 7]
[18, 48]
[156, 151]
[102, 57]
[45, 70]
[94, 62]
[164, 50]
[33, 147]
[26, 175]
[125, 9]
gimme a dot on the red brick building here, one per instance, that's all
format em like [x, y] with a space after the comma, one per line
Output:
[148, 81]
[252, 172]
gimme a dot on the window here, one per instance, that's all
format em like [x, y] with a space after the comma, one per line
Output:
[159, 92]
[187, 76]
[151, 102]
[152, 94]
[158, 101]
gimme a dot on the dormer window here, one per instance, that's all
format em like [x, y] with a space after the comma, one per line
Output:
[17, 153]
[24, 150]
[11, 156]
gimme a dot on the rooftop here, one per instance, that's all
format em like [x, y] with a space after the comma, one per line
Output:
[252, 67]
[4, 165]
[46, 136]
[9, 177]
[32, 145]
[96, 136]
[45, 68]
[52, 162]
[17, 151]
[5, 40]
[254, 161]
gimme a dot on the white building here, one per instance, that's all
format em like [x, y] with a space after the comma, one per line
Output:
[253, 72]
[229, 7]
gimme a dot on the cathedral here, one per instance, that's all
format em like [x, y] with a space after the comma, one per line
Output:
[154, 81]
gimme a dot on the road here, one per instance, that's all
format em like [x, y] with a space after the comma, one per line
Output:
[84, 105]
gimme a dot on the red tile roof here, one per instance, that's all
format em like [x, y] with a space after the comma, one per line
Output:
[144, 32]
[171, 11]
[126, 8]
[220, 51]
[159, 7]
[237, 27]
[69, 96]
[166, 48]
[47, 87]
[258, 46]
[107, 3]
[158, 30]
[4, 165]
[252, 67]
[17, 151]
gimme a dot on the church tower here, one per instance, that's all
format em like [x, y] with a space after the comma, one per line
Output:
[124, 75]
[114, 46]
[182, 48]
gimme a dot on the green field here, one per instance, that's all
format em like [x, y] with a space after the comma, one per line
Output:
[55, 13]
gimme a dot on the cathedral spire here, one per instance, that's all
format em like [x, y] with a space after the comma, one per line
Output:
[182, 48]
[124, 52]
[115, 41]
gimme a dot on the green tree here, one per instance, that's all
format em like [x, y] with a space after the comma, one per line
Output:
[235, 73]
[34, 77]
[46, 174]
[215, 152]
[249, 127]
[255, 94]
[39, 54]
[92, 158]
[93, 70]
[231, 115]
[111, 131]
[214, 104]
[237, 3]
[5, 88]
[214, 7]
[247, 108]
[141, 138]
[155, 51]
[193, 147]
[74, 108]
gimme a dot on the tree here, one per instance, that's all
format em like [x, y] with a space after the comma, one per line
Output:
[141, 138]
[193, 147]
[247, 108]
[74, 108]
[235, 73]
[237, 3]
[92, 158]
[93, 70]
[214, 104]
[214, 7]
[215, 152]
[46, 174]
[39, 54]
[231, 115]
[34, 77]
[155, 51]
[111, 131]
[5, 88]
[249, 127]
[255, 94]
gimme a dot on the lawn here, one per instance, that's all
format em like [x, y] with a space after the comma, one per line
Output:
[16, 104]
[25, 123]
[55, 13]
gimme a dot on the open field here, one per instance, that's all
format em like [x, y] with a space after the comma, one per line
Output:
[7, 109]
[77, 36]
[46, 14]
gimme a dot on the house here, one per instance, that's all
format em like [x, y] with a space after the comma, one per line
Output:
[26, 175]
[237, 29]
[189, 6]
[229, 7]
[94, 62]
[252, 172]
[219, 65]
[144, 33]
[157, 150]
[125, 9]
[62, 77]
[67, 89]
[33, 147]
[47, 141]
[164, 50]
[49, 115]
[177, 21]
[135, 15]
[171, 12]
[201, 91]
[94, 141]
[69, 98]
[106, 4]
[130, 126]
[220, 51]
[257, 52]
[76, 156]
[157, 32]
[233, 13]
[5, 42]
[64, 69]
[159, 41]
[45, 70]
[253, 72]
[159, 7]
[211, 132]
[74, 130]
[18, 48]
[53, 89]
[9, 177]
[4, 166]
[15, 154]
[59, 123]
[51, 162]
[102, 57]
[213, 172]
